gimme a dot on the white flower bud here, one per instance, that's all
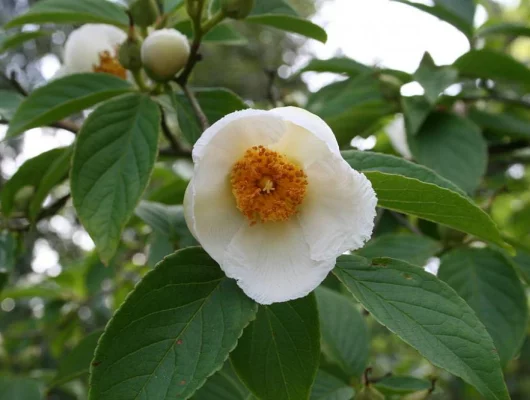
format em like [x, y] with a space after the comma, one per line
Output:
[164, 53]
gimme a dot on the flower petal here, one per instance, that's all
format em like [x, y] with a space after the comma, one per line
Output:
[271, 262]
[239, 131]
[310, 122]
[339, 208]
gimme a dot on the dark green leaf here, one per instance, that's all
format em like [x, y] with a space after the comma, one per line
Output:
[504, 124]
[7, 251]
[504, 28]
[220, 34]
[63, 97]
[15, 388]
[522, 261]
[427, 314]
[172, 5]
[486, 280]
[488, 64]
[433, 203]
[112, 162]
[30, 174]
[338, 65]
[9, 102]
[465, 9]
[159, 247]
[278, 355]
[291, 24]
[453, 147]
[327, 387]
[170, 193]
[18, 39]
[401, 385]
[345, 339]
[273, 7]
[416, 110]
[433, 79]
[404, 246]
[366, 161]
[72, 12]
[77, 361]
[173, 331]
[224, 385]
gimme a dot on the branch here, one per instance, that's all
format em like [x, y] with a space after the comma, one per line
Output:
[405, 222]
[176, 149]
[203, 120]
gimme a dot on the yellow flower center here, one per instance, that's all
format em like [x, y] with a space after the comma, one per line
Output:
[267, 186]
[110, 65]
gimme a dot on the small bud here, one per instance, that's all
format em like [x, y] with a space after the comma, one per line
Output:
[130, 55]
[164, 53]
[144, 12]
[237, 9]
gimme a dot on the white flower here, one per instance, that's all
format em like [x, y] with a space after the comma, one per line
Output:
[93, 48]
[274, 203]
[164, 53]
[397, 134]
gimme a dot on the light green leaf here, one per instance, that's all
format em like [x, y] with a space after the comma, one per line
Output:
[220, 34]
[291, 24]
[427, 314]
[403, 246]
[488, 64]
[77, 361]
[224, 385]
[63, 97]
[113, 158]
[433, 79]
[486, 280]
[366, 161]
[216, 103]
[278, 355]
[453, 147]
[9, 102]
[173, 331]
[345, 339]
[433, 203]
[327, 387]
[15, 388]
[395, 385]
[416, 110]
[503, 28]
[72, 12]
[338, 65]
[16, 40]
[30, 174]
[504, 123]
[56, 172]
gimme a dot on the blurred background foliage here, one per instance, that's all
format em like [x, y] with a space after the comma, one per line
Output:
[60, 295]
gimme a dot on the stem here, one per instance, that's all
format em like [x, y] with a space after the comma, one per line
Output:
[405, 222]
[176, 149]
[139, 79]
[203, 120]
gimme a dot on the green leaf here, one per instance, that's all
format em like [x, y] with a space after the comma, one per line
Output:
[113, 158]
[15, 388]
[327, 387]
[291, 24]
[395, 385]
[433, 203]
[9, 102]
[453, 147]
[224, 385]
[452, 15]
[465, 9]
[504, 124]
[278, 355]
[216, 103]
[427, 314]
[403, 246]
[159, 247]
[30, 174]
[220, 34]
[345, 339]
[173, 331]
[63, 97]
[172, 5]
[416, 110]
[338, 65]
[8, 246]
[522, 261]
[18, 39]
[72, 12]
[433, 79]
[77, 361]
[503, 28]
[170, 193]
[55, 173]
[488, 64]
[273, 7]
[366, 161]
[486, 280]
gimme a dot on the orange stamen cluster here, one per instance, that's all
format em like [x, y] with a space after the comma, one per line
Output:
[110, 65]
[267, 187]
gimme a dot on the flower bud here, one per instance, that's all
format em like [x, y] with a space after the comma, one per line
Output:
[144, 12]
[237, 9]
[129, 55]
[164, 53]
